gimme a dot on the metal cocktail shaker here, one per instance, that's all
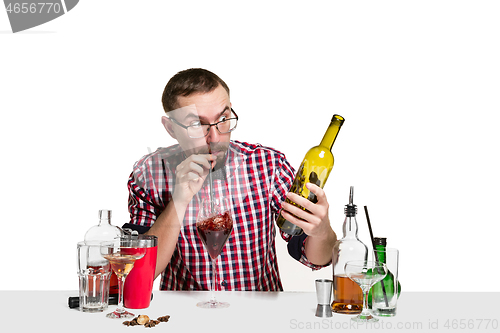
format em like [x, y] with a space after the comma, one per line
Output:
[139, 283]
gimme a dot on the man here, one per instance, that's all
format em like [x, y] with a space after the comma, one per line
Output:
[165, 191]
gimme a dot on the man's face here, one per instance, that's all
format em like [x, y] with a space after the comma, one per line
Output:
[207, 108]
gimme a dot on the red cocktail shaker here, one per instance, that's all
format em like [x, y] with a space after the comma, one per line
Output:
[139, 283]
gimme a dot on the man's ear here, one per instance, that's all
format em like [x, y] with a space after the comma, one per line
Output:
[167, 123]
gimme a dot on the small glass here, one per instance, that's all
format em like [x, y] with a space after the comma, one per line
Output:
[122, 254]
[385, 293]
[94, 273]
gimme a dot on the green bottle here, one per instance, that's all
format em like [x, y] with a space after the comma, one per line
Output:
[384, 290]
[315, 168]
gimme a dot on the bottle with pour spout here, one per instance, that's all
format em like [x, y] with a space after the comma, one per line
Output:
[347, 295]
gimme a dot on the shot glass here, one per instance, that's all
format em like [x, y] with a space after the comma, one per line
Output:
[94, 273]
[386, 292]
[324, 289]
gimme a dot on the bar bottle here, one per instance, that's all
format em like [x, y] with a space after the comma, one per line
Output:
[347, 295]
[105, 231]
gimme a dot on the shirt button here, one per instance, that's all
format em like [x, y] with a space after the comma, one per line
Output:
[223, 283]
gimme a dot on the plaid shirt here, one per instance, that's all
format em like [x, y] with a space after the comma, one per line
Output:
[258, 179]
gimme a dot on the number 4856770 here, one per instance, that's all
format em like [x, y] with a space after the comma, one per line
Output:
[33, 8]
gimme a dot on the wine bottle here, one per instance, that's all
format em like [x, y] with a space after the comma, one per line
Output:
[347, 295]
[315, 168]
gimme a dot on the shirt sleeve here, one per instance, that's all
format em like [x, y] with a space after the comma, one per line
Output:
[143, 204]
[142, 210]
[283, 179]
[296, 244]
[297, 250]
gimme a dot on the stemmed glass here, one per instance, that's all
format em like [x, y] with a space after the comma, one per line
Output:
[122, 254]
[214, 225]
[365, 273]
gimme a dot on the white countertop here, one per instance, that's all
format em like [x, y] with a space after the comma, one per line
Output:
[30, 311]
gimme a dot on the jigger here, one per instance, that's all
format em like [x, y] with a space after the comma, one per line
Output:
[324, 289]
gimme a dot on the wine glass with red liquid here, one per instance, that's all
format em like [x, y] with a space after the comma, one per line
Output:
[214, 226]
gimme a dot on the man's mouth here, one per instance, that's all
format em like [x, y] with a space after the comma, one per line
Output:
[218, 149]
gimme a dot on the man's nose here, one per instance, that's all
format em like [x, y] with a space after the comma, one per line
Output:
[213, 135]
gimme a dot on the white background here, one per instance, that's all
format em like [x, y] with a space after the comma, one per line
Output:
[417, 81]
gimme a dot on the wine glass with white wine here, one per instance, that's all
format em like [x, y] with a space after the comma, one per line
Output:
[122, 253]
[365, 273]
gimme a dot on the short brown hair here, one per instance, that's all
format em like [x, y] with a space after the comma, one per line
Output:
[187, 82]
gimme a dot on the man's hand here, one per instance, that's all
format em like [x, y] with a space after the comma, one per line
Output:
[315, 223]
[190, 175]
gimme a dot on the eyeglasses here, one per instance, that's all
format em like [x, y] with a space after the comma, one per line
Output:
[198, 130]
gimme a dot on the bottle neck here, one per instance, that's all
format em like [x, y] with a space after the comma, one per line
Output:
[350, 227]
[332, 132]
[104, 222]
[380, 253]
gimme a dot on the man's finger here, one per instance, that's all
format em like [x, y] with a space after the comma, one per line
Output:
[301, 201]
[317, 191]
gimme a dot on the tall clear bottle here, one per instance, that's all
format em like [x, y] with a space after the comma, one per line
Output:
[347, 295]
[315, 168]
[105, 231]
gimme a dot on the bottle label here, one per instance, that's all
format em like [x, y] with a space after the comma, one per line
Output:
[308, 173]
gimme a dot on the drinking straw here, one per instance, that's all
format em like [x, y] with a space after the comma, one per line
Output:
[211, 194]
[375, 252]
